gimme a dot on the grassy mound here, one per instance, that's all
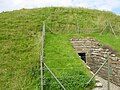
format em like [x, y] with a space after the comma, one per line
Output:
[20, 34]
[19, 52]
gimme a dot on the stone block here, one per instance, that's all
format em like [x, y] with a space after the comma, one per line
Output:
[97, 57]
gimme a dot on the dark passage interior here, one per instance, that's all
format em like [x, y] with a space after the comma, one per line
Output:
[83, 56]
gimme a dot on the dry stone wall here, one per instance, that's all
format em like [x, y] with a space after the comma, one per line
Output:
[96, 55]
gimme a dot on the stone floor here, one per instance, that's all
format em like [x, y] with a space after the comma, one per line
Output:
[104, 85]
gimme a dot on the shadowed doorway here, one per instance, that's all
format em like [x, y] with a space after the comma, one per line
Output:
[83, 56]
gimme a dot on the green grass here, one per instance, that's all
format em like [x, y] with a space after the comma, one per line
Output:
[20, 34]
[19, 52]
[110, 41]
[65, 63]
[19, 55]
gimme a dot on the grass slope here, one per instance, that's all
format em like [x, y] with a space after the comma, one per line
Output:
[65, 63]
[20, 33]
[19, 52]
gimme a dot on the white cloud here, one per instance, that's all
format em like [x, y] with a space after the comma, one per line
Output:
[97, 4]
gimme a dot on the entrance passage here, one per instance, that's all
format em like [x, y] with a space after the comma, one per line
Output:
[83, 56]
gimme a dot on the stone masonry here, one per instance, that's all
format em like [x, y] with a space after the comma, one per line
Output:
[96, 55]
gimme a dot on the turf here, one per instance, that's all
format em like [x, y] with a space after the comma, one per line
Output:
[20, 35]
[63, 60]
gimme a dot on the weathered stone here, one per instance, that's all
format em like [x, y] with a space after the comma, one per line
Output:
[97, 57]
[114, 58]
[113, 55]
[118, 72]
[98, 84]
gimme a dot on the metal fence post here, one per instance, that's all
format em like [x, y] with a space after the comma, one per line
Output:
[42, 57]
[108, 71]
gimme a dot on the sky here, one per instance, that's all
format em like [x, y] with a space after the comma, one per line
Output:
[107, 5]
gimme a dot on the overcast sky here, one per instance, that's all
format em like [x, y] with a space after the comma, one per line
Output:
[109, 5]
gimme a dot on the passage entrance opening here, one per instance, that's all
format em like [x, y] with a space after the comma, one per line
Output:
[83, 56]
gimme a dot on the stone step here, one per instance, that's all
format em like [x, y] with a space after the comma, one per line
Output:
[98, 84]
[98, 88]
[97, 80]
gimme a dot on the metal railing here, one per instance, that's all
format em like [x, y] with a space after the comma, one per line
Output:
[108, 63]
[42, 62]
